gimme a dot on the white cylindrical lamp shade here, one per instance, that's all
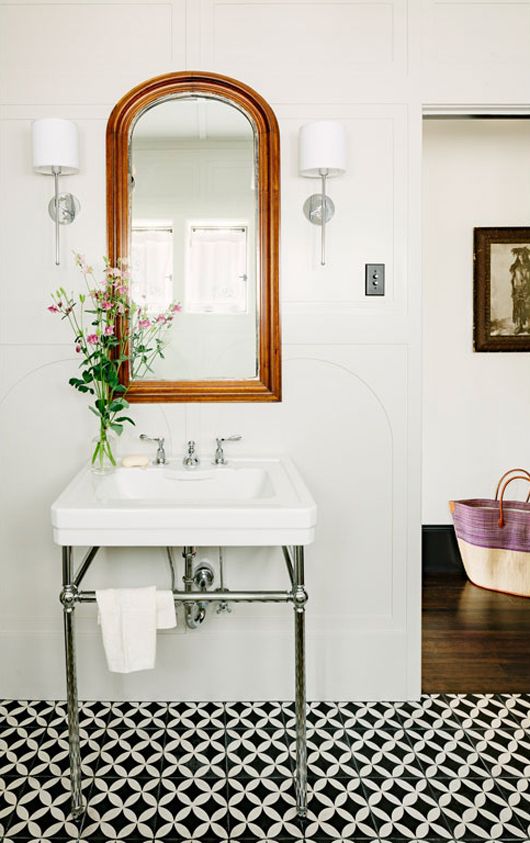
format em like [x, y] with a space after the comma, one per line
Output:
[322, 146]
[55, 144]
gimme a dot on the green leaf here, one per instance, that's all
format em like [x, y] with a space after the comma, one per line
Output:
[117, 428]
[117, 404]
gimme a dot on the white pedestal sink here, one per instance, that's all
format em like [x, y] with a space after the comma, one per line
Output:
[247, 502]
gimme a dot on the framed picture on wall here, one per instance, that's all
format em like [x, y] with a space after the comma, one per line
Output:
[501, 289]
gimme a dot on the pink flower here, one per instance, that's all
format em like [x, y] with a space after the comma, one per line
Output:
[161, 319]
[176, 308]
[80, 261]
[93, 339]
[106, 305]
[109, 330]
[144, 323]
[53, 308]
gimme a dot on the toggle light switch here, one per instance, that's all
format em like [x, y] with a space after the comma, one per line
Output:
[374, 279]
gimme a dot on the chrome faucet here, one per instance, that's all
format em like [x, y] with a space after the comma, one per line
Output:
[219, 457]
[191, 460]
[160, 458]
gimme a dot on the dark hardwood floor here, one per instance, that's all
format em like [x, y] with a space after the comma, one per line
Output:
[474, 641]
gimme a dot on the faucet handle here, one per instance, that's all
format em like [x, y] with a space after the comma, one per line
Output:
[158, 439]
[219, 458]
[160, 458]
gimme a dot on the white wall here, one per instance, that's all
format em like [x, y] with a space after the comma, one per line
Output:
[476, 405]
[351, 410]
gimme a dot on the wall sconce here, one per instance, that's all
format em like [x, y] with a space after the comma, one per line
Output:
[56, 153]
[322, 154]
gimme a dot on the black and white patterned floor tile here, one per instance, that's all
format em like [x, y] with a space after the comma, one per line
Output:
[258, 753]
[446, 768]
[255, 715]
[196, 715]
[199, 753]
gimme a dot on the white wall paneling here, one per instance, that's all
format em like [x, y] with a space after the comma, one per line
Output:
[371, 212]
[100, 50]
[348, 401]
[299, 51]
[351, 413]
[29, 195]
[475, 51]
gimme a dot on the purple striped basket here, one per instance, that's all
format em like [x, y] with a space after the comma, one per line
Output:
[494, 539]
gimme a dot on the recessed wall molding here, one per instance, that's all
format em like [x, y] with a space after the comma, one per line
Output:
[478, 32]
[376, 182]
[370, 38]
[145, 44]
[349, 373]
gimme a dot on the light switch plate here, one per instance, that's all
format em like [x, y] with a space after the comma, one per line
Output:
[374, 278]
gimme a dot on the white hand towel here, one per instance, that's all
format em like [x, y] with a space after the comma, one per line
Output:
[166, 617]
[128, 625]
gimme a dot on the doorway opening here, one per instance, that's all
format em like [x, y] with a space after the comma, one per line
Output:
[476, 406]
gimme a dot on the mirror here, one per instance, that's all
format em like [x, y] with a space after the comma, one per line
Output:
[193, 205]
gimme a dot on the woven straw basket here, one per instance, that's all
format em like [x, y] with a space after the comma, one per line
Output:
[494, 538]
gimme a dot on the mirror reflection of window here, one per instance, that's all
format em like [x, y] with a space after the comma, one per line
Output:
[152, 265]
[216, 268]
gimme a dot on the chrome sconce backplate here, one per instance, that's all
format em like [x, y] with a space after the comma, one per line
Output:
[314, 208]
[65, 209]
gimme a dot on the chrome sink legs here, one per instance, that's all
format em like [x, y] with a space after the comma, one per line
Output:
[299, 601]
[194, 601]
[68, 598]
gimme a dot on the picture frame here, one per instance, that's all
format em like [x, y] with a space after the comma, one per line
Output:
[501, 292]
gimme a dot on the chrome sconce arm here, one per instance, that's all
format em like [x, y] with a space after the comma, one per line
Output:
[63, 209]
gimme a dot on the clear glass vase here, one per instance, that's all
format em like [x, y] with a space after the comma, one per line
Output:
[103, 459]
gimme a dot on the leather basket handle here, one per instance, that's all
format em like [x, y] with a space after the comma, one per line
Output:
[501, 498]
[512, 471]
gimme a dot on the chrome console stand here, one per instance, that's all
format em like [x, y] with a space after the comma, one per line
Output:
[297, 595]
[68, 597]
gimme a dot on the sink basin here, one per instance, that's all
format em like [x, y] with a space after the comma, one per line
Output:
[159, 484]
[248, 502]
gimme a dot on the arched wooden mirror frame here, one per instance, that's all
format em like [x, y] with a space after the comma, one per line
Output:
[267, 385]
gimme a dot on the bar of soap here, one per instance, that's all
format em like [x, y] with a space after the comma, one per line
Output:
[135, 461]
